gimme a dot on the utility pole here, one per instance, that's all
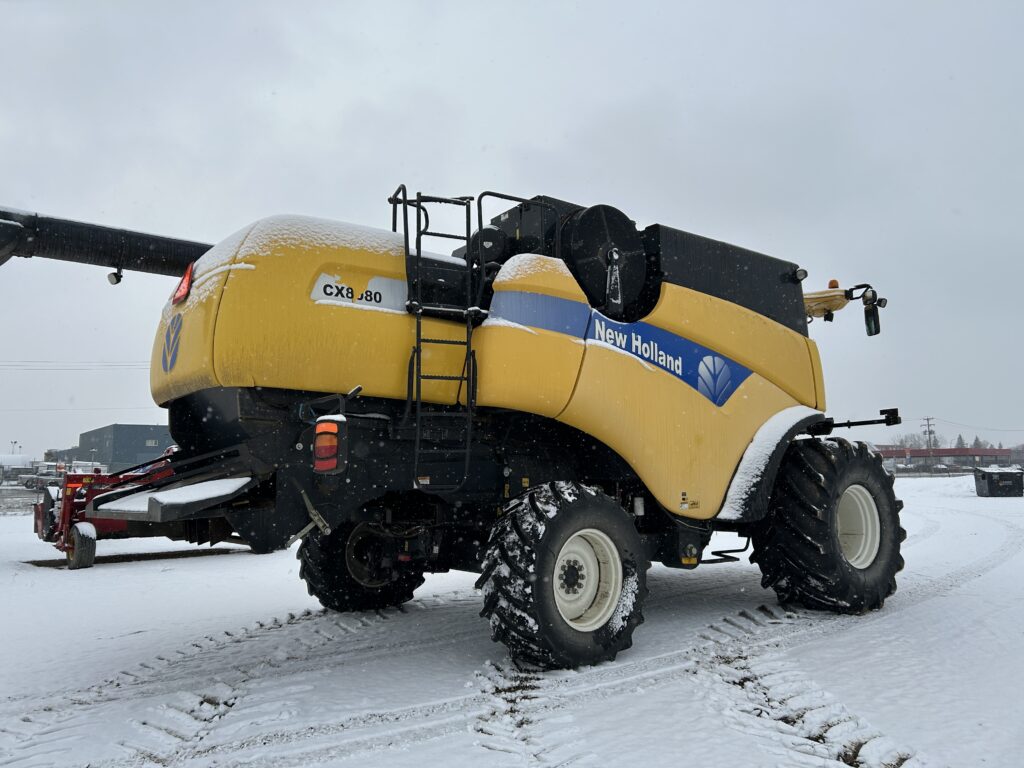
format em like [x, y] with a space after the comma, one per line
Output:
[929, 436]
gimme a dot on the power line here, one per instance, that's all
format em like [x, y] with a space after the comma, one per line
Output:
[41, 362]
[83, 369]
[48, 410]
[969, 426]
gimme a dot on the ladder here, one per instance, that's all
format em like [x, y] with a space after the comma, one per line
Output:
[441, 436]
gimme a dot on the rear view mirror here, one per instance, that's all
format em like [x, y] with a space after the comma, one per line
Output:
[871, 322]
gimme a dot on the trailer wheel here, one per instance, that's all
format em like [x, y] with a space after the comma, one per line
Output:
[564, 577]
[336, 573]
[81, 546]
[831, 540]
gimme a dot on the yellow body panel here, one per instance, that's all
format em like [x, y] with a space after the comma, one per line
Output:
[740, 334]
[539, 274]
[192, 369]
[819, 376]
[301, 304]
[683, 446]
[289, 315]
[529, 369]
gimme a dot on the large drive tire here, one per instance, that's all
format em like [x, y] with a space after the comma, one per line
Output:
[81, 547]
[564, 578]
[324, 564]
[831, 540]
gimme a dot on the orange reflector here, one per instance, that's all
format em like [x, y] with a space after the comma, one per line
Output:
[181, 292]
[833, 283]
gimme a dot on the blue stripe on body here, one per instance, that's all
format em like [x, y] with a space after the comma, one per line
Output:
[710, 373]
[539, 311]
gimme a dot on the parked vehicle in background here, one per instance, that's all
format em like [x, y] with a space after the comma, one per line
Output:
[38, 482]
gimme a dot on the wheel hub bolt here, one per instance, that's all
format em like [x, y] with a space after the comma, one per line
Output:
[572, 576]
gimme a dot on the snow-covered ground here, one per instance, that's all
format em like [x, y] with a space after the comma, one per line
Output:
[224, 660]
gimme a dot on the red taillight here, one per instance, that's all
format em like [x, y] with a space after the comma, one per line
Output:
[327, 445]
[181, 292]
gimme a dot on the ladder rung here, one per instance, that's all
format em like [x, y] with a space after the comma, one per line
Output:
[438, 377]
[462, 342]
[435, 451]
[452, 312]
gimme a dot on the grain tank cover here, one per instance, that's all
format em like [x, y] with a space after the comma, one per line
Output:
[764, 284]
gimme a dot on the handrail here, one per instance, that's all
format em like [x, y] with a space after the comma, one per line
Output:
[514, 199]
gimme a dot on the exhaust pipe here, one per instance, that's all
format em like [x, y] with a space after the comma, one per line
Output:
[29, 234]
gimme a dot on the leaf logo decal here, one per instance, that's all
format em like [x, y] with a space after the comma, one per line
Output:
[172, 336]
[714, 379]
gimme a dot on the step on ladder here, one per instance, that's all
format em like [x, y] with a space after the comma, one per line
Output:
[440, 436]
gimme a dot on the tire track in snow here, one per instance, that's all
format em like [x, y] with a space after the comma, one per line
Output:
[506, 725]
[166, 696]
[500, 713]
[503, 725]
[555, 690]
[776, 701]
[925, 587]
[930, 528]
[812, 725]
[403, 732]
[274, 649]
[405, 726]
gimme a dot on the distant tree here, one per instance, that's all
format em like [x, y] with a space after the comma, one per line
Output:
[960, 442]
[977, 443]
[910, 440]
[1000, 446]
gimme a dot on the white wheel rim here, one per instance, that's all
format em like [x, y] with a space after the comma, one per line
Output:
[587, 580]
[858, 526]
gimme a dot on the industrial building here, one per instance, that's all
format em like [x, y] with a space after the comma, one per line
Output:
[118, 446]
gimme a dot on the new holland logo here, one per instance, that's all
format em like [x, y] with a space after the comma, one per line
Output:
[714, 378]
[172, 337]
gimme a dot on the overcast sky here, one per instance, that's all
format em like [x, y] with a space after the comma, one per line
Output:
[867, 141]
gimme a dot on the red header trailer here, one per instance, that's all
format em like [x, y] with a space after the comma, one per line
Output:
[63, 518]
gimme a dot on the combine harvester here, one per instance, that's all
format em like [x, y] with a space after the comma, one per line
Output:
[554, 404]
